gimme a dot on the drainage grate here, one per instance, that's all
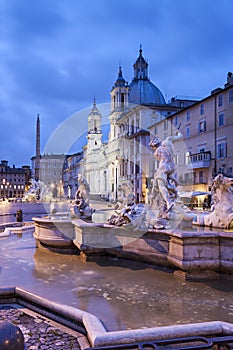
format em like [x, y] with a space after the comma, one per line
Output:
[189, 343]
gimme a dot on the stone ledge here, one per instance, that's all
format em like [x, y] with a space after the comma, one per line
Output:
[93, 328]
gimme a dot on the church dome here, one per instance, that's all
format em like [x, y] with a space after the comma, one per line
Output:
[141, 89]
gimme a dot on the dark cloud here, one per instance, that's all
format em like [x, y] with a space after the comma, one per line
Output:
[56, 56]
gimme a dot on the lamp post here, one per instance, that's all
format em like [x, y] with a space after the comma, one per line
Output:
[60, 187]
[116, 164]
[7, 190]
[4, 189]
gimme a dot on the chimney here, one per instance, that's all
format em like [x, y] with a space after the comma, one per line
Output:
[230, 78]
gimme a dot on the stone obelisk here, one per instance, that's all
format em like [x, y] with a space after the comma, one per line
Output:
[37, 160]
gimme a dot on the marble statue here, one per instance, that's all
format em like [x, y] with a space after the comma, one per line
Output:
[81, 208]
[167, 210]
[222, 204]
[125, 196]
[132, 217]
[34, 192]
[39, 192]
[165, 178]
[128, 213]
[83, 191]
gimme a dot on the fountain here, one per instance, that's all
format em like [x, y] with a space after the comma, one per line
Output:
[222, 209]
[81, 209]
[164, 237]
[163, 234]
[56, 230]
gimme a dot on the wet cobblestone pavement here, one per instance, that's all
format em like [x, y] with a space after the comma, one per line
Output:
[41, 333]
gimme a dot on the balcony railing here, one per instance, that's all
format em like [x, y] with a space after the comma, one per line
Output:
[199, 160]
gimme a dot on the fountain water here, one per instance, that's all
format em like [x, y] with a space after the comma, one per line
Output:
[113, 289]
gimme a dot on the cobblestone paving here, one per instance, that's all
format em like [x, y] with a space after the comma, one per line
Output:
[41, 333]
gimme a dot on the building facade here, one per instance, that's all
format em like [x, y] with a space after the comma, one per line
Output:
[207, 146]
[72, 168]
[138, 113]
[13, 181]
[50, 172]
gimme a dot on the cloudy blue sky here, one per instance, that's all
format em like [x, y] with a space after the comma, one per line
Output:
[57, 55]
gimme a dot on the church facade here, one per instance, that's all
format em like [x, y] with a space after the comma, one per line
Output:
[126, 158]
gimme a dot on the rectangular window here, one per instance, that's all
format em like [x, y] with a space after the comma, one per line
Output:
[105, 180]
[132, 169]
[202, 109]
[188, 116]
[165, 125]
[221, 119]
[220, 101]
[201, 177]
[221, 149]
[132, 128]
[202, 126]
[188, 131]
[231, 95]
[176, 121]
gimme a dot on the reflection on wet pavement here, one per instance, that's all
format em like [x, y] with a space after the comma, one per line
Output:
[123, 294]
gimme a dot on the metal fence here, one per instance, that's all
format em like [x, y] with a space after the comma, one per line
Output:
[188, 343]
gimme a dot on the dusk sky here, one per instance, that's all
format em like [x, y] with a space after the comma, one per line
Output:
[57, 55]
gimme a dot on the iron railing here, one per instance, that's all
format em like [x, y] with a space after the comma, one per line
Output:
[188, 343]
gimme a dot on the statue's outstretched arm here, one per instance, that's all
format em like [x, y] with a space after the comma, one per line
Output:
[176, 137]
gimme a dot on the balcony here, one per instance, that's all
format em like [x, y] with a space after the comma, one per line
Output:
[199, 160]
[136, 132]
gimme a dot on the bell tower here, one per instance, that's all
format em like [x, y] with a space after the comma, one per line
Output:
[94, 120]
[119, 102]
[94, 137]
[119, 93]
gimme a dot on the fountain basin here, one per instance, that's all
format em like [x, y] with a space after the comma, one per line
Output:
[192, 253]
[54, 233]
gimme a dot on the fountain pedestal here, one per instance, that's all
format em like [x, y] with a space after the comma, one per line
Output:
[202, 254]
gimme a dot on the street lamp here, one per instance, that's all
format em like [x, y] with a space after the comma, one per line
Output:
[60, 187]
[116, 164]
[7, 189]
[4, 189]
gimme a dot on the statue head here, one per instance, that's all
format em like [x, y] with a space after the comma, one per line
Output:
[155, 142]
